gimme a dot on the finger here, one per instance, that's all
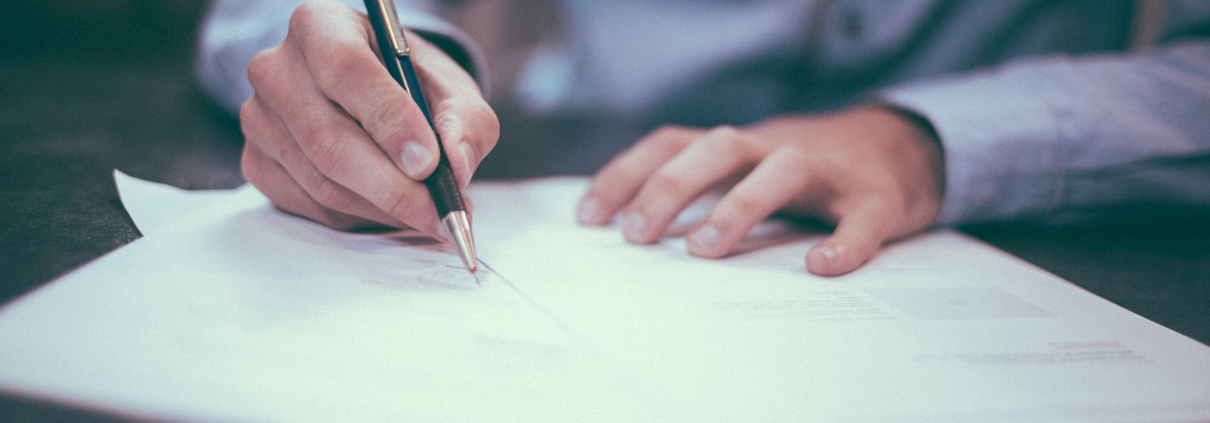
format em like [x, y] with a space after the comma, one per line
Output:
[333, 43]
[264, 133]
[620, 180]
[717, 155]
[336, 145]
[468, 126]
[783, 176]
[273, 181]
[469, 131]
[857, 237]
[343, 154]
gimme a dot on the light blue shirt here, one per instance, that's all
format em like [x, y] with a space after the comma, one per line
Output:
[1042, 111]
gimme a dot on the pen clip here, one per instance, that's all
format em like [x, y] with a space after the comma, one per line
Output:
[394, 31]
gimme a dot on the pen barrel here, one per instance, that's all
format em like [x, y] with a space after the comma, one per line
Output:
[443, 187]
[412, 86]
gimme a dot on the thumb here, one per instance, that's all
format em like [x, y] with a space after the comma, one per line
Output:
[856, 238]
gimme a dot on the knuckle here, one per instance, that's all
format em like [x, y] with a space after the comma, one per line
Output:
[333, 65]
[384, 118]
[741, 205]
[326, 148]
[245, 110]
[724, 131]
[726, 141]
[260, 68]
[328, 194]
[665, 183]
[250, 167]
[471, 121]
[448, 124]
[247, 117]
[668, 138]
[481, 112]
[792, 159]
[398, 204]
[305, 15]
[798, 168]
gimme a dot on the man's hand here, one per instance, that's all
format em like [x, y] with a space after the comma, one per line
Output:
[874, 173]
[332, 137]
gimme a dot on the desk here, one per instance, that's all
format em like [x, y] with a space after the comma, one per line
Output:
[64, 125]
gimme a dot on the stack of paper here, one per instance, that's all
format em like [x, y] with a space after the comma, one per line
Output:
[240, 312]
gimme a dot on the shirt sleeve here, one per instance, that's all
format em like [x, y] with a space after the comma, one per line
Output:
[1062, 140]
[235, 30]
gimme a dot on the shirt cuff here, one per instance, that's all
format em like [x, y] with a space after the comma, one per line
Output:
[1002, 136]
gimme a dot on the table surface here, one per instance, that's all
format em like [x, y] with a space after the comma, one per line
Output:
[66, 123]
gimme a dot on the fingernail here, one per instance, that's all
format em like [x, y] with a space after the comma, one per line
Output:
[633, 225]
[443, 231]
[589, 208]
[828, 253]
[415, 159]
[705, 238]
[470, 158]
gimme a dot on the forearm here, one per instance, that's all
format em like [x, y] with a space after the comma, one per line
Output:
[1056, 139]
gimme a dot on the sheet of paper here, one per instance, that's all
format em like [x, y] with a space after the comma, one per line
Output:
[244, 313]
[154, 206]
[940, 327]
[240, 312]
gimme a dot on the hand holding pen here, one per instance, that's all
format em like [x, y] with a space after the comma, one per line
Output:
[331, 136]
[447, 197]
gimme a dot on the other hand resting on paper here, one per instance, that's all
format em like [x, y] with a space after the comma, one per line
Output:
[873, 172]
[332, 137]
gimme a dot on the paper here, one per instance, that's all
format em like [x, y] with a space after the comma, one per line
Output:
[240, 312]
[936, 328]
[246, 313]
[154, 206]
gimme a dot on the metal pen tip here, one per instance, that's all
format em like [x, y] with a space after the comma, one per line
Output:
[458, 225]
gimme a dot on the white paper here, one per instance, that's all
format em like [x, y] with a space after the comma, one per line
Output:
[939, 327]
[154, 206]
[240, 312]
[243, 313]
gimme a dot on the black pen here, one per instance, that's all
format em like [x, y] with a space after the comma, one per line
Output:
[441, 184]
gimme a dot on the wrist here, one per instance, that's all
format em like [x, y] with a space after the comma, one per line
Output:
[926, 134]
[923, 147]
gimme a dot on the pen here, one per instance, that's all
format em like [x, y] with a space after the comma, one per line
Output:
[441, 184]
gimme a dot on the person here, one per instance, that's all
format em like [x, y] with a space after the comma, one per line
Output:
[883, 118]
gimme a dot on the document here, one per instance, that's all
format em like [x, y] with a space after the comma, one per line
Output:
[939, 327]
[240, 312]
[154, 206]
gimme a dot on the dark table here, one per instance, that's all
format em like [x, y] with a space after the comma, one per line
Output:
[125, 98]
